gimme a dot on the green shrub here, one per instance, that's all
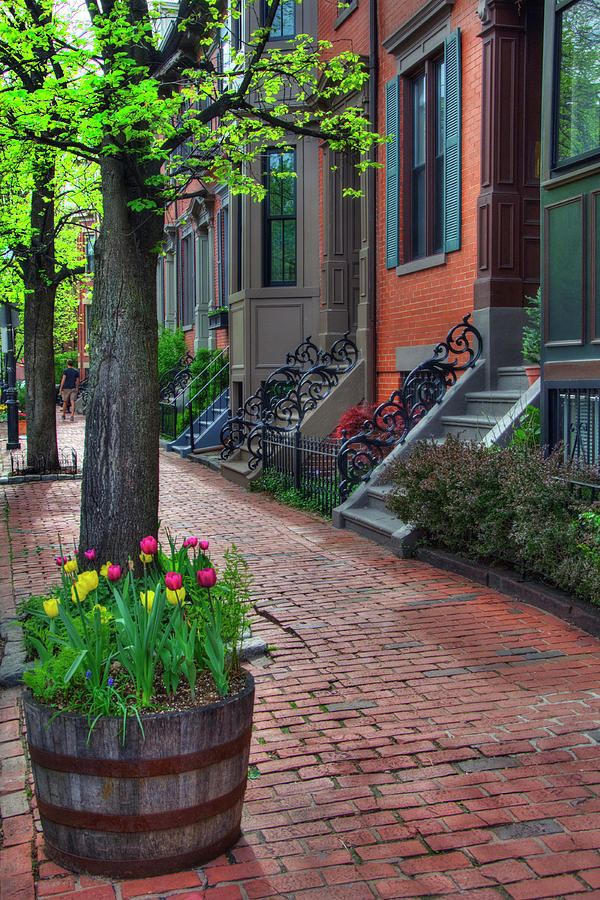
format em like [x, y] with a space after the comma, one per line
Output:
[171, 347]
[512, 507]
[528, 433]
[281, 487]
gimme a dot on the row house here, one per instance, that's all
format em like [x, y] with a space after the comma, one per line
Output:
[492, 115]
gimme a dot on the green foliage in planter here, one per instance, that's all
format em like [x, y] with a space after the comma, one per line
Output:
[512, 507]
[171, 347]
[109, 642]
[532, 331]
[46, 680]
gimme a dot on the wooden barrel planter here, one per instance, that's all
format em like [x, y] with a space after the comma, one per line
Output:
[167, 801]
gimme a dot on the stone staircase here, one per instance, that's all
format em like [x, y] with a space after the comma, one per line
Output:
[468, 411]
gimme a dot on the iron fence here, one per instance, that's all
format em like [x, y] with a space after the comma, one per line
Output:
[67, 463]
[308, 464]
[573, 420]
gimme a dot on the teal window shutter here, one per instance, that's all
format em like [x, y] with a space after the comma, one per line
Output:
[452, 143]
[392, 127]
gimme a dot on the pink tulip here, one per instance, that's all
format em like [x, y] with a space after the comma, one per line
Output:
[90, 555]
[61, 560]
[149, 545]
[204, 545]
[190, 542]
[207, 578]
[173, 581]
[113, 573]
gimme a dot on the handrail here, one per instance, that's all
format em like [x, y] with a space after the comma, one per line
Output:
[183, 401]
[423, 388]
[182, 365]
[236, 430]
[307, 377]
[288, 413]
[212, 362]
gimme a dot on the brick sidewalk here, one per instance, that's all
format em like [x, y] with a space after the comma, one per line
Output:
[416, 735]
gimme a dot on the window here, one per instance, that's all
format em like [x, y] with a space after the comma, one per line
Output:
[89, 254]
[577, 105]
[284, 23]
[188, 299]
[427, 154]
[428, 92]
[223, 256]
[280, 217]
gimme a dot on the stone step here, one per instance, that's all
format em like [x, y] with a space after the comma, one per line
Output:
[509, 378]
[237, 471]
[469, 427]
[378, 496]
[378, 526]
[492, 403]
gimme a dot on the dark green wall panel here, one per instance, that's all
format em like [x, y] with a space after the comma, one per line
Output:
[564, 276]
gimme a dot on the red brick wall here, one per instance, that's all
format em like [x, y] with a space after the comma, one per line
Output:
[420, 308]
[222, 338]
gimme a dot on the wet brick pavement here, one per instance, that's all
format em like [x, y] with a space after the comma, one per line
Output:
[416, 735]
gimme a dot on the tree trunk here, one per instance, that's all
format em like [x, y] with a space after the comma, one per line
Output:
[119, 503]
[38, 322]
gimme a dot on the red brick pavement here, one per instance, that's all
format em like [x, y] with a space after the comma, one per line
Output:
[416, 735]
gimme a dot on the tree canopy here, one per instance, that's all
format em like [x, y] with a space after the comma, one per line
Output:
[158, 114]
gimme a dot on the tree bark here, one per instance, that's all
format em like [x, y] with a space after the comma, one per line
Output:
[38, 269]
[120, 470]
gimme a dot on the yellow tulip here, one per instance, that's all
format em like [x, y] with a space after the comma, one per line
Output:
[146, 558]
[175, 597]
[147, 599]
[51, 607]
[70, 566]
[104, 568]
[90, 579]
[79, 591]
[104, 615]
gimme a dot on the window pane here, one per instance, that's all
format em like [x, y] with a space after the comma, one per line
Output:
[284, 23]
[419, 213]
[419, 121]
[438, 163]
[578, 120]
[289, 250]
[277, 251]
[280, 218]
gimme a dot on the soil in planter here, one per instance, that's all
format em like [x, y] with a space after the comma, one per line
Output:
[205, 692]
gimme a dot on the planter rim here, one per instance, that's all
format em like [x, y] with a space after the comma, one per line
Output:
[150, 716]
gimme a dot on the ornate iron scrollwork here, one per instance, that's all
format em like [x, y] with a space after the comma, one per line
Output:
[423, 389]
[175, 380]
[288, 394]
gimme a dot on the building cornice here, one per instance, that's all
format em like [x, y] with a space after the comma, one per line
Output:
[425, 17]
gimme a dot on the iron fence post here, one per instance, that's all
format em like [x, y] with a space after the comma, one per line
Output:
[297, 461]
[191, 415]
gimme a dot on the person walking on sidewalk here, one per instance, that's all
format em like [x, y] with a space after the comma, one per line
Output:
[69, 384]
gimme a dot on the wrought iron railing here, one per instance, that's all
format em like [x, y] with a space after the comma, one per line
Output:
[288, 395]
[176, 379]
[67, 463]
[198, 395]
[573, 420]
[423, 388]
[306, 465]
